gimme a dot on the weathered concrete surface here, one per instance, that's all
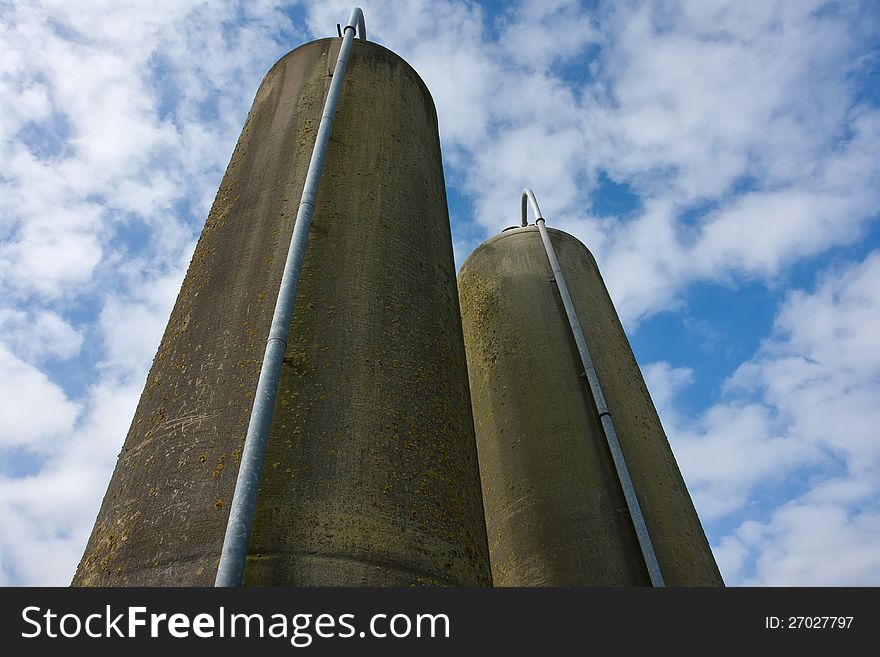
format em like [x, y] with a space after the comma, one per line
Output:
[371, 475]
[555, 513]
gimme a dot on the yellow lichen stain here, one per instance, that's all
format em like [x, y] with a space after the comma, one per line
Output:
[221, 463]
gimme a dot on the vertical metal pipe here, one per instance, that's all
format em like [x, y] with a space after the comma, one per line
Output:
[241, 513]
[623, 475]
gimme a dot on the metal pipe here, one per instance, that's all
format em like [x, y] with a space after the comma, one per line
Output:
[241, 512]
[528, 196]
[629, 492]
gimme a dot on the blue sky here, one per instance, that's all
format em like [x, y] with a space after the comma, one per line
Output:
[720, 159]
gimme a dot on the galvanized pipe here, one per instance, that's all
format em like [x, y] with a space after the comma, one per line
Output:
[241, 512]
[528, 196]
[629, 492]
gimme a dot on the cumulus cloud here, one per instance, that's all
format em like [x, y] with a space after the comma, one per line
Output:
[728, 123]
[806, 544]
[48, 515]
[802, 412]
[739, 129]
[36, 412]
[38, 335]
[116, 123]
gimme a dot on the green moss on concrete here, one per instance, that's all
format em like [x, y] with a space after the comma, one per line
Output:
[374, 392]
[555, 512]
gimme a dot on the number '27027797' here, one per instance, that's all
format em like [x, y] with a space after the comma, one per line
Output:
[808, 622]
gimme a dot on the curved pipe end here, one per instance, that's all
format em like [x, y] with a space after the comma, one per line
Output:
[528, 196]
[357, 19]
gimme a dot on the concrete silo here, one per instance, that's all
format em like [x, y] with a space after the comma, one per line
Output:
[556, 512]
[370, 476]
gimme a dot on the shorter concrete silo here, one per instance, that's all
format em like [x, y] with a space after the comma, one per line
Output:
[555, 510]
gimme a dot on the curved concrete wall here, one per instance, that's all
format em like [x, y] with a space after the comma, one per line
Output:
[555, 512]
[371, 475]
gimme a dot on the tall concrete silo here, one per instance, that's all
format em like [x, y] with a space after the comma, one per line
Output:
[371, 476]
[556, 513]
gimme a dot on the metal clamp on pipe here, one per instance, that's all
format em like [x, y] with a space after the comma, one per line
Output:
[629, 493]
[244, 502]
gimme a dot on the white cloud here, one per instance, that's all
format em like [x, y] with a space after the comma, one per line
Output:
[116, 123]
[543, 32]
[802, 412]
[47, 516]
[707, 89]
[728, 451]
[35, 336]
[750, 112]
[35, 411]
[132, 323]
[738, 125]
[119, 159]
[808, 545]
[665, 383]
[822, 370]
